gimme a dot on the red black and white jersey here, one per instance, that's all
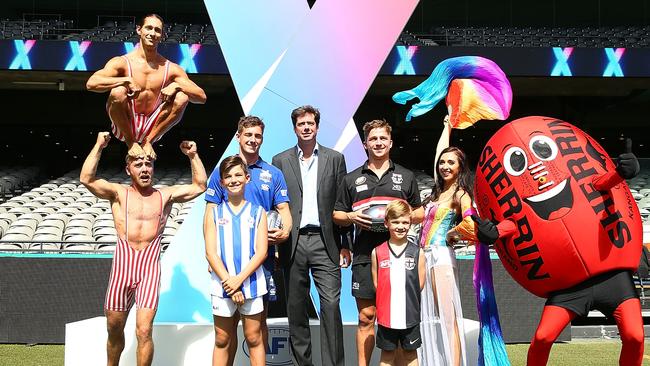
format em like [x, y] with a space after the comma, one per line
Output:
[398, 286]
[361, 188]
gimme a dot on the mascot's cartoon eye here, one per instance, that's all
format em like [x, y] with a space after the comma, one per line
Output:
[515, 161]
[543, 147]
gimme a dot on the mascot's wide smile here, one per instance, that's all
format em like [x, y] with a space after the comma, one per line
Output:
[554, 203]
[564, 207]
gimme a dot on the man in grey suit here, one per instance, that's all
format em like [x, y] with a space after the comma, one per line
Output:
[313, 173]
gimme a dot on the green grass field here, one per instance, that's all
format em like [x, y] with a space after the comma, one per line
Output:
[584, 353]
[22, 355]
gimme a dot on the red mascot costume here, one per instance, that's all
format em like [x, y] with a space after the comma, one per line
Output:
[565, 226]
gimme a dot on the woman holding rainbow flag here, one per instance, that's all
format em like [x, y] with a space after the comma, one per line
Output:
[475, 88]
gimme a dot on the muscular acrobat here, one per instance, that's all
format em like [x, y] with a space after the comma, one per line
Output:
[139, 212]
[148, 93]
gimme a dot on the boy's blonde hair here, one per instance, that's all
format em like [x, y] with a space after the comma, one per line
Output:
[397, 208]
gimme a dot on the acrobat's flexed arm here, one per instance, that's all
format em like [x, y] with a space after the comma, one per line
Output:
[627, 167]
[99, 187]
[181, 82]
[111, 76]
[488, 232]
[187, 192]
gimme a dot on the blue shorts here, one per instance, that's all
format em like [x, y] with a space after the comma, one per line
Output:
[270, 286]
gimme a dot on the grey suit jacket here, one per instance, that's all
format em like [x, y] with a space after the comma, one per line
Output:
[330, 173]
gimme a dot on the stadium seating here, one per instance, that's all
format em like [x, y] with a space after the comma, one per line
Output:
[124, 31]
[16, 180]
[61, 215]
[109, 31]
[530, 37]
[34, 29]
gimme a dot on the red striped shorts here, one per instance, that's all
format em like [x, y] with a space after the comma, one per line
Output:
[141, 124]
[135, 275]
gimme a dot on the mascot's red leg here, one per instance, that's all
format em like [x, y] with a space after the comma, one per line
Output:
[630, 326]
[554, 320]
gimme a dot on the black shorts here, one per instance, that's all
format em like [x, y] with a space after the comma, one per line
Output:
[362, 286]
[388, 339]
[604, 292]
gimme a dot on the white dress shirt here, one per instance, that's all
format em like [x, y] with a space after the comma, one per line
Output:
[309, 173]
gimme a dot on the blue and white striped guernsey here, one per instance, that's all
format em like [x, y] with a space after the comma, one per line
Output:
[236, 235]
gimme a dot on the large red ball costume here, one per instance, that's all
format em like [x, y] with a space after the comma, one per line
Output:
[564, 216]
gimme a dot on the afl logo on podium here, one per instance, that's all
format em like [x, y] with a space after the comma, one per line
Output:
[278, 352]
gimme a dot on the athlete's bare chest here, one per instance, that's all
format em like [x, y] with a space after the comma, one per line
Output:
[149, 76]
[145, 209]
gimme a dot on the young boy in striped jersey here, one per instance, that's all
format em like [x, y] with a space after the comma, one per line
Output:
[398, 274]
[235, 234]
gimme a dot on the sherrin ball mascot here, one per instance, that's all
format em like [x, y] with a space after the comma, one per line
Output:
[565, 226]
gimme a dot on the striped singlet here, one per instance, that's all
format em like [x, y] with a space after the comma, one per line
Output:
[236, 236]
[398, 286]
[135, 274]
[141, 124]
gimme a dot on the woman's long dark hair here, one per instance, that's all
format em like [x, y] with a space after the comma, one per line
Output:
[464, 178]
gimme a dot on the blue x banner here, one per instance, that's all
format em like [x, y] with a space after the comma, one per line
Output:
[562, 61]
[21, 61]
[405, 65]
[614, 56]
[77, 61]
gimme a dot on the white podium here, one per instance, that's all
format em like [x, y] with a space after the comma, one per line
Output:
[191, 344]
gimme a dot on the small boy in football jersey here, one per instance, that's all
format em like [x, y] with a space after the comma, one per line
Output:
[236, 244]
[398, 274]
